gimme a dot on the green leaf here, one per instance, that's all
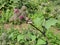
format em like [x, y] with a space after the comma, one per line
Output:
[33, 37]
[15, 1]
[20, 37]
[50, 22]
[38, 21]
[11, 35]
[58, 19]
[40, 42]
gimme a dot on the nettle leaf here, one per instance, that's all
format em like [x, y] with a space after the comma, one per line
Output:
[41, 42]
[50, 22]
[20, 37]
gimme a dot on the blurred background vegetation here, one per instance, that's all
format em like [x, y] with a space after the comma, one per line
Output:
[42, 12]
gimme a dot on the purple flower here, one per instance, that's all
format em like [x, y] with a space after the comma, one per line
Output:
[21, 17]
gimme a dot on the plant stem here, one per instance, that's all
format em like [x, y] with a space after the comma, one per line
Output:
[44, 33]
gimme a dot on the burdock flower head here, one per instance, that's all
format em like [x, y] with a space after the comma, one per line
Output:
[21, 17]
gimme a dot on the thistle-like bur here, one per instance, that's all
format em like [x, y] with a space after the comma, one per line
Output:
[19, 14]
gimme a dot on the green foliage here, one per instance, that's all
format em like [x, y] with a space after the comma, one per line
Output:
[14, 36]
[44, 14]
[6, 15]
[40, 42]
[52, 38]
